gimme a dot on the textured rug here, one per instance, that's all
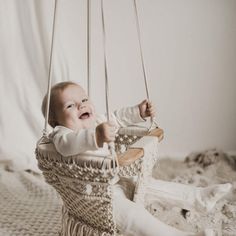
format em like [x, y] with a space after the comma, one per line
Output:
[199, 169]
[29, 206]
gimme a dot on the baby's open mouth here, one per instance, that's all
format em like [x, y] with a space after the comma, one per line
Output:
[84, 116]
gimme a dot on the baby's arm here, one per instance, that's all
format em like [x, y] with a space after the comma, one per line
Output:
[131, 115]
[69, 142]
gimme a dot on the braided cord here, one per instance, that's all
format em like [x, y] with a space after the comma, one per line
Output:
[105, 62]
[45, 131]
[153, 119]
[110, 145]
[88, 47]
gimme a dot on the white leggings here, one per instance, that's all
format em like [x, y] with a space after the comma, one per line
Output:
[134, 220]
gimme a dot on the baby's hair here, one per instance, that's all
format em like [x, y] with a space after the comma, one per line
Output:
[54, 93]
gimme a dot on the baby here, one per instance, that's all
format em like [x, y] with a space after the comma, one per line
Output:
[72, 115]
[78, 129]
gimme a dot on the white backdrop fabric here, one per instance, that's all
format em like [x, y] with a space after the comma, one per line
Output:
[26, 27]
[189, 50]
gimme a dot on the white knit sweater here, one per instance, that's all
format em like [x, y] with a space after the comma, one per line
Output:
[69, 142]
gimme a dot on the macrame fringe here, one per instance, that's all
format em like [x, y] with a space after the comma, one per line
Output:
[73, 227]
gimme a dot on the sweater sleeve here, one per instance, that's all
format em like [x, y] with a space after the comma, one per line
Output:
[127, 116]
[69, 142]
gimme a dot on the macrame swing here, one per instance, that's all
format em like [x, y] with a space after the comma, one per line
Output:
[85, 182]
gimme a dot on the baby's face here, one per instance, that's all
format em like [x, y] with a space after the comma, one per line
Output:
[74, 110]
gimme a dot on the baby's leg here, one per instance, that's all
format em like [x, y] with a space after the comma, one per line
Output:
[133, 219]
[185, 196]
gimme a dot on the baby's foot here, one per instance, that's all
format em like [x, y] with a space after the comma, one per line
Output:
[207, 197]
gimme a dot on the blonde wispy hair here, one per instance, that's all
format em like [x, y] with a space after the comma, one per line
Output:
[59, 87]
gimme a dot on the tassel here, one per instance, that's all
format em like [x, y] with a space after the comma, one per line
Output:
[73, 227]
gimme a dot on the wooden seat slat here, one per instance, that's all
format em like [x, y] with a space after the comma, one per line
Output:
[133, 154]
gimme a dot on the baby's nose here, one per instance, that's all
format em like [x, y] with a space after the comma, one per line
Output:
[81, 106]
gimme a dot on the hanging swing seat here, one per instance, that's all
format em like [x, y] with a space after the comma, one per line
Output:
[85, 182]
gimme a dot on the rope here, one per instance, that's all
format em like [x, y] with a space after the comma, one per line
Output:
[105, 62]
[153, 119]
[88, 47]
[45, 131]
[111, 145]
[140, 49]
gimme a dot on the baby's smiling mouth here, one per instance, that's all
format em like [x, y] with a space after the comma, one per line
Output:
[84, 115]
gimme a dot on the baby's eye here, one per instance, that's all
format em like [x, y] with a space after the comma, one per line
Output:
[85, 100]
[70, 105]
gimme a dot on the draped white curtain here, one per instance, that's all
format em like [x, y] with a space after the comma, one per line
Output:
[25, 28]
[189, 50]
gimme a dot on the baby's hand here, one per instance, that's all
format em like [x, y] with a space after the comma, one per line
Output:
[146, 109]
[105, 133]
